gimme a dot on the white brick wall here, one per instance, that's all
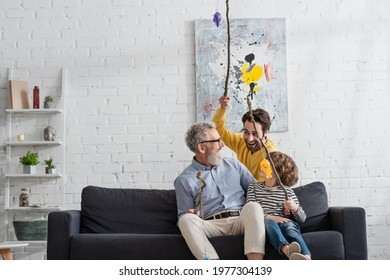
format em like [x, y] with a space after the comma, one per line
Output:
[132, 91]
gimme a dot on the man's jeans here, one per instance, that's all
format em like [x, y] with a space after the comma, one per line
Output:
[283, 234]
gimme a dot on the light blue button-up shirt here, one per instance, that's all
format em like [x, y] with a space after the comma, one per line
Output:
[226, 186]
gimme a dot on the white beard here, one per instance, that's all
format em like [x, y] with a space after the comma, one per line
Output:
[214, 159]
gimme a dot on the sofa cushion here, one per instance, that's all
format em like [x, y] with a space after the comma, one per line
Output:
[148, 247]
[323, 245]
[314, 200]
[129, 247]
[114, 210]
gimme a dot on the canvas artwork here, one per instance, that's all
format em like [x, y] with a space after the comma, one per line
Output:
[257, 69]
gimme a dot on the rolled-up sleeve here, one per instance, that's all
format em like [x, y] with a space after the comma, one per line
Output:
[184, 199]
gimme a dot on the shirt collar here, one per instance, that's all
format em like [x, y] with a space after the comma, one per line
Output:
[199, 166]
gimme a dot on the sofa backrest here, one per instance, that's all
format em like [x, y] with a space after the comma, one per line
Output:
[115, 210]
[314, 201]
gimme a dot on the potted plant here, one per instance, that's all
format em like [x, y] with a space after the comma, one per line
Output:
[48, 102]
[29, 161]
[50, 166]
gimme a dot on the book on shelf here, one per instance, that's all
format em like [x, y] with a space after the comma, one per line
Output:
[18, 95]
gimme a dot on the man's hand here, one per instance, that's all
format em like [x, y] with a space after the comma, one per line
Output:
[192, 211]
[224, 102]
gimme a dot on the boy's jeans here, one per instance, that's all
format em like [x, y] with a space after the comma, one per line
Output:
[279, 234]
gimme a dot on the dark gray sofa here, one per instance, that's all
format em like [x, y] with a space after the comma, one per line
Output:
[139, 224]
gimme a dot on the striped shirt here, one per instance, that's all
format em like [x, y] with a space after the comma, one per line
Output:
[272, 200]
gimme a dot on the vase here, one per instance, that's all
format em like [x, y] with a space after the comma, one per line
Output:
[36, 97]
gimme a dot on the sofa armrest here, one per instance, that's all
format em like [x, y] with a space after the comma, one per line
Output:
[61, 226]
[351, 222]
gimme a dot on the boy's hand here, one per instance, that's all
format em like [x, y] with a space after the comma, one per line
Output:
[277, 219]
[290, 205]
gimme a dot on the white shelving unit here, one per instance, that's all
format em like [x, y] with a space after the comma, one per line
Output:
[47, 191]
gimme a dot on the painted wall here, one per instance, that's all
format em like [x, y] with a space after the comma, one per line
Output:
[131, 91]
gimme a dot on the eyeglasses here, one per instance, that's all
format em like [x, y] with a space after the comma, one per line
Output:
[212, 141]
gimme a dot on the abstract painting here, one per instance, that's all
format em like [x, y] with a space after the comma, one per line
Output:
[257, 69]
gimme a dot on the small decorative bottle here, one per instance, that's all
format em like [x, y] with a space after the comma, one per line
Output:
[23, 198]
[36, 97]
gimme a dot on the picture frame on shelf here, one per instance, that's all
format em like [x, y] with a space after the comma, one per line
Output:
[18, 95]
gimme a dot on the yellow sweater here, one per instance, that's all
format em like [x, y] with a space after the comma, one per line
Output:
[236, 143]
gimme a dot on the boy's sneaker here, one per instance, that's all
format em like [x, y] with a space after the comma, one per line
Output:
[298, 257]
[294, 248]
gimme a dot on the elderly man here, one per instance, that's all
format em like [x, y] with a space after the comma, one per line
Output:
[221, 209]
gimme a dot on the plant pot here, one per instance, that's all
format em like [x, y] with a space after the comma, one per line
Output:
[48, 105]
[50, 170]
[29, 169]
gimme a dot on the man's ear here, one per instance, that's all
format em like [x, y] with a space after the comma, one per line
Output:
[201, 148]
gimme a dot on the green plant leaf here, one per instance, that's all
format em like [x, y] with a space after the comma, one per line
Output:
[29, 158]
